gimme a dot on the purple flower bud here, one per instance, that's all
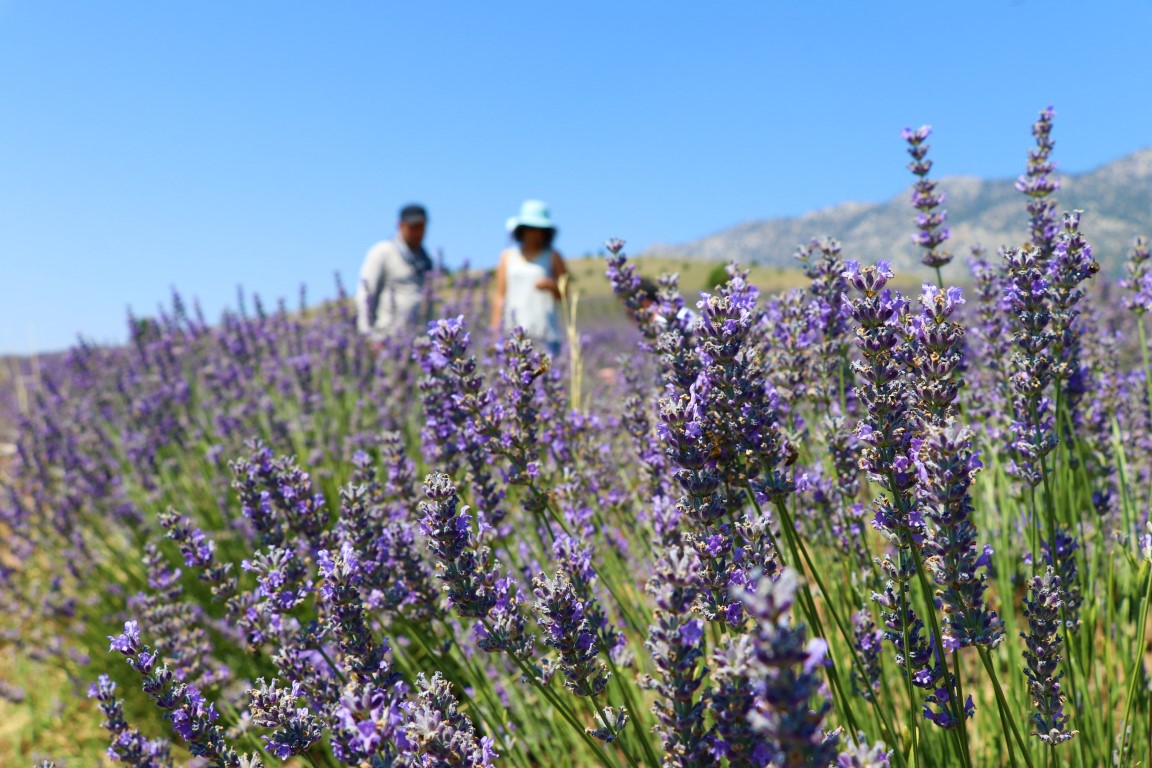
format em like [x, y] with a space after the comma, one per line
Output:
[128, 641]
[916, 136]
[864, 756]
[692, 632]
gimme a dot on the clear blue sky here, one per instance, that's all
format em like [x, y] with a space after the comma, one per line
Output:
[204, 145]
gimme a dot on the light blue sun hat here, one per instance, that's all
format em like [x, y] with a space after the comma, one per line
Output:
[533, 213]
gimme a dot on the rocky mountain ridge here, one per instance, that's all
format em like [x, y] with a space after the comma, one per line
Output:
[1116, 199]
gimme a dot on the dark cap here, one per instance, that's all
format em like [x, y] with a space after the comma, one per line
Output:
[413, 214]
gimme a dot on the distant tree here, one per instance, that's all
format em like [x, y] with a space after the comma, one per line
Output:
[718, 275]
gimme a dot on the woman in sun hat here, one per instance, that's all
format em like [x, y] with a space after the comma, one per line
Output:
[528, 278]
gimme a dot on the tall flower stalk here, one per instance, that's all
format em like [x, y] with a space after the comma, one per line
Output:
[1042, 654]
[931, 233]
[1071, 266]
[789, 706]
[1038, 183]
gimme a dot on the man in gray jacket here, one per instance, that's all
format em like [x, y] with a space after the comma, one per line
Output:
[390, 292]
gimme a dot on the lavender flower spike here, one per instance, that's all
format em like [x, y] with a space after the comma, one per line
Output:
[925, 199]
[867, 639]
[1042, 656]
[297, 728]
[567, 630]
[947, 463]
[1138, 277]
[466, 572]
[128, 745]
[1038, 184]
[787, 684]
[676, 643]
[439, 734]
[128, 641]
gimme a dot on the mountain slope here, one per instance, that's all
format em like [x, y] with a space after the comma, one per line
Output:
[1116, 199]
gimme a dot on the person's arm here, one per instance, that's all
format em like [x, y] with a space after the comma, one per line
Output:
[501, 290]
[552, 283]
[368, 290]
[559, 269]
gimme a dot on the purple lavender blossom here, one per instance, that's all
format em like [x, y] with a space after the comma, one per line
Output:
[400, 471]
[467, 573]
[732, 699]
[177, 623]
[676, 644]
[918, 657]
[566, 628]
[790, 704]
[346, 620]
[861, 755]
[885, 434]
[387, 549]
[899, 403]
[282, 578]
[947, 464]
[666, 326]
[725, 433]
[1070, 266]
[193, 718]
[516, 437]
[367, 724]
[198, 550]
[1027, 294]
[867, 638]
[128, 745]
[925, 199]
[1038, 183]
[506, 629]
[1042, 655]
[842, 509]
[609, 723]
[128, 641]
[1060, 556]
[438, 734]
[277, 497]
[625, 281]
[936, 354]
[676, 344]
[824, 266]
[991, 344]
[460, 412]
[574, 559]
[637, 420]
[794, 325]
[296, 728]
[1138, 277]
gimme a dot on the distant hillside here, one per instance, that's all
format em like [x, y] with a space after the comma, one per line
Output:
[1116, 200]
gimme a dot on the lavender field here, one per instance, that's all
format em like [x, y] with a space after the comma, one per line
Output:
[838, 525]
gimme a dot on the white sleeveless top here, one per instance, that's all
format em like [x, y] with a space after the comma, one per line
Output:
[525, 305]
